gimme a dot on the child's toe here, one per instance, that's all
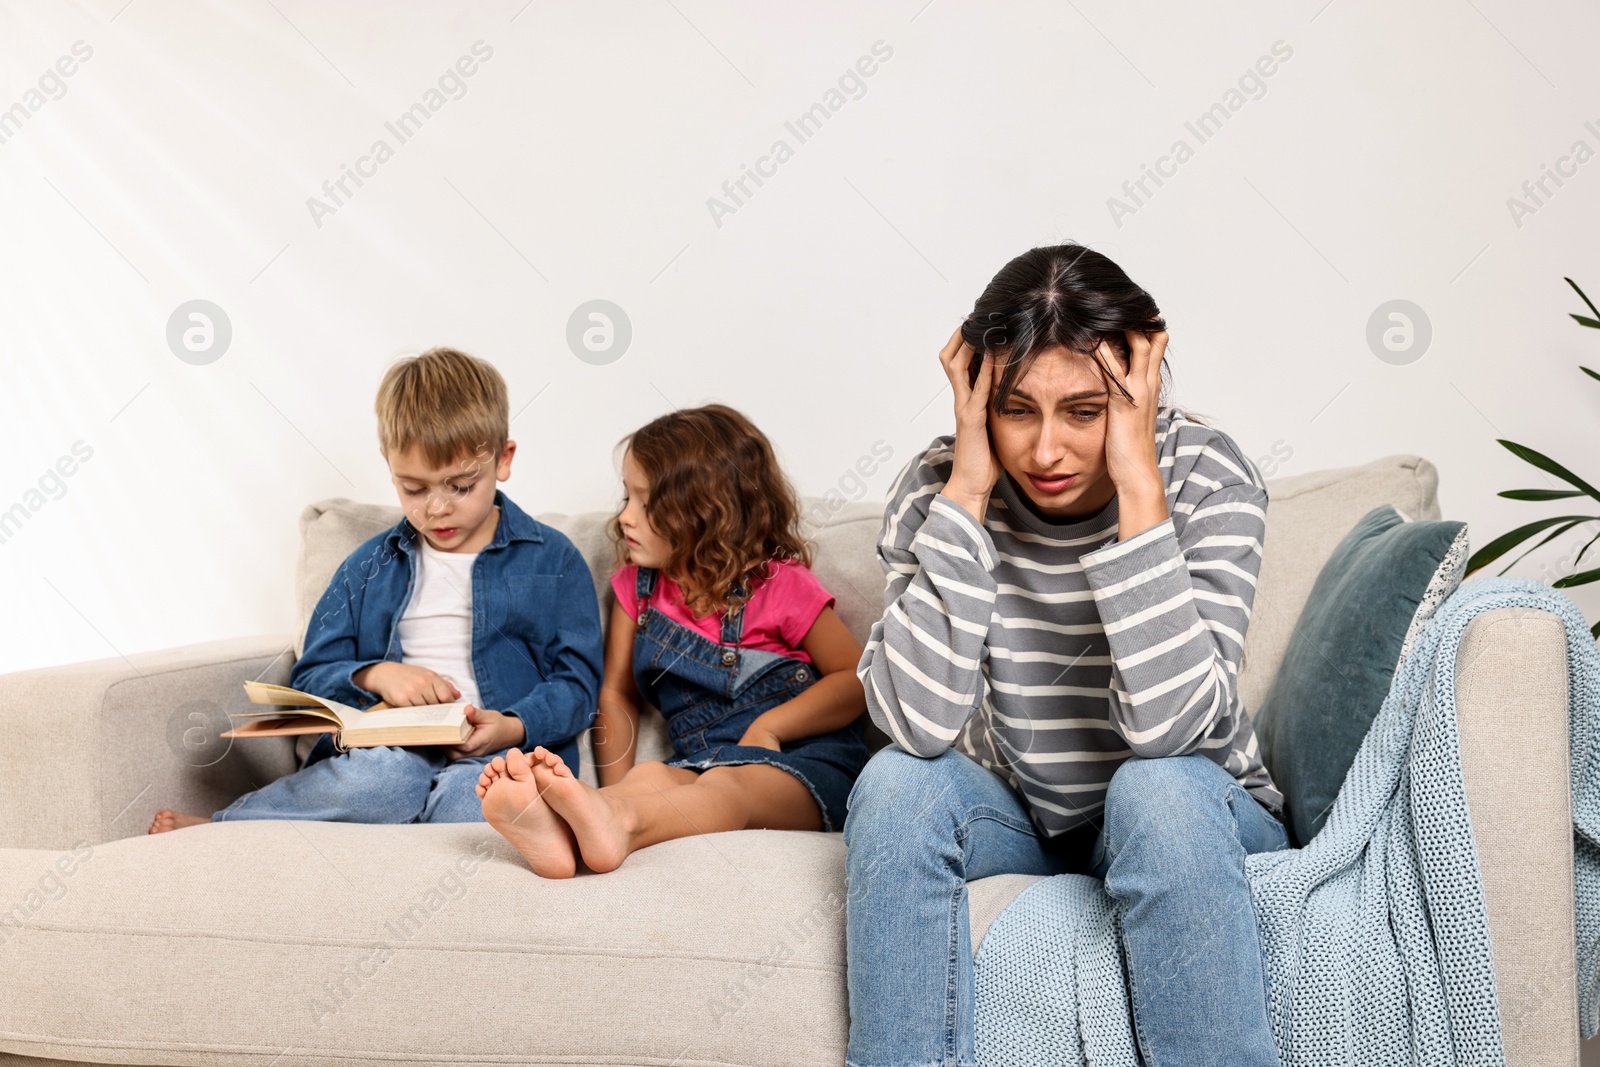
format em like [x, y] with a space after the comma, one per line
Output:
[516, 764]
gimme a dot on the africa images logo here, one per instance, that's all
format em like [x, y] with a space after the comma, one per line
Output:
[51, 85]
[851, 85]
[451, 85]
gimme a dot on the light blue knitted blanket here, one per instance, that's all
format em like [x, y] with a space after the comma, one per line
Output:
[1376, 936]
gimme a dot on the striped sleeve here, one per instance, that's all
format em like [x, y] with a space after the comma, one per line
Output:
[1175, 601]
[922, 667]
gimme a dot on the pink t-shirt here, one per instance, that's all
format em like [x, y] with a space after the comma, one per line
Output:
[779, 614]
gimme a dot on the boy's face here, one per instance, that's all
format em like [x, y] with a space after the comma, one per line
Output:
[451, 505]
[646, 548]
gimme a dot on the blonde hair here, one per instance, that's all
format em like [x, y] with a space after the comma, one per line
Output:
[445, 401]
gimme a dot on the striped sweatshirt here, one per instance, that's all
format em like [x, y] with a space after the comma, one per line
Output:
[1050, 652]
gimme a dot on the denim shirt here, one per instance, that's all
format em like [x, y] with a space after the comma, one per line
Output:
[536, 644]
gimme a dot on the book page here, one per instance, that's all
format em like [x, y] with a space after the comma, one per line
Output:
[421, 715]
[267, 693]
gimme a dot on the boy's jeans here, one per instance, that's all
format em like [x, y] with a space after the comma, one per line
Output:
[1170, 846]
[387, 784]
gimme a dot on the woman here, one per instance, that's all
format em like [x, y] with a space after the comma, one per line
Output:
[1070, 578]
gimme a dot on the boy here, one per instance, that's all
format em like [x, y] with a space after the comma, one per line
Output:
[466, 598]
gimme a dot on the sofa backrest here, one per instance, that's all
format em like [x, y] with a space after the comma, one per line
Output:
[843, 535]
[1307, 515]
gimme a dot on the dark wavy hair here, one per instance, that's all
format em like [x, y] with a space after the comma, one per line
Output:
[1066, 295]
[719, 499]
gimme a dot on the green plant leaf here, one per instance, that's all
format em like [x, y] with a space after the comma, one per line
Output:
[1583, 320]
[1579, 557]
[1585, 296]
[1551, 536]
[1507, 541]
[1540, 494]
[1581, 578]
[1548, 465]
[1593, 374]
[1594, 631]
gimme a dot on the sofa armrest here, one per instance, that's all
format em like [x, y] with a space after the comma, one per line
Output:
[93, 750]
[1511, 706]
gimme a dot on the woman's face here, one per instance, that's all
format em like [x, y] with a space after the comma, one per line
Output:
[1050, 434]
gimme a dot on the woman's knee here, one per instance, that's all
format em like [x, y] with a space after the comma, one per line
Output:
[897, 793]
[1168, 781]
[1170, 797]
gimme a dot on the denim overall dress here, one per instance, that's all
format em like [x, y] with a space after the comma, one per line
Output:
[710, 692]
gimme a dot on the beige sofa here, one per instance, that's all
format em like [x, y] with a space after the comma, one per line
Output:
[280, 944]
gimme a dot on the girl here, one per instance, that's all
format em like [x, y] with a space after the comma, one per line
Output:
[1070, 580]
[721, 625]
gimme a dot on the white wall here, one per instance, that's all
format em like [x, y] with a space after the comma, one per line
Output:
[178, 163]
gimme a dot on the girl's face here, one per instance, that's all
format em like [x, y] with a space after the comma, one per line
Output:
[1050, 435]
[646, 548]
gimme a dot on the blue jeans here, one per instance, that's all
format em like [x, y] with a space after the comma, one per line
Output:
[1170, 846]
[386, 784]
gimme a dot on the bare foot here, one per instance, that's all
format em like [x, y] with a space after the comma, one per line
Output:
[599, 821]
[513, 806]
[166, 819]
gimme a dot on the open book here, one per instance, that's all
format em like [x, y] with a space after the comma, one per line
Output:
[424, 724]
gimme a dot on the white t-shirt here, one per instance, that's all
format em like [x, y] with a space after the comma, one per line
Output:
[436, 628]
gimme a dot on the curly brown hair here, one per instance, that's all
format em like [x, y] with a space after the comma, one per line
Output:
[719, 499]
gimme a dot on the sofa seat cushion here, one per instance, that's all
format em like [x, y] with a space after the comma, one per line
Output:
[331, 943]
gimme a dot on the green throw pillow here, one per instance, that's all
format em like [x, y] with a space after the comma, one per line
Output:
[1369, 604]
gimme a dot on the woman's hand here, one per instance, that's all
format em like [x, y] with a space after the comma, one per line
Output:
[976, 468]
[1131, 430]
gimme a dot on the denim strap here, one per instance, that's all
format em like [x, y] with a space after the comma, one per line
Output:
[733, 620]
[644, 584]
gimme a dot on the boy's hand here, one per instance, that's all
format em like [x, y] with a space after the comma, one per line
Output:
[491, 732]
[403, 685]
